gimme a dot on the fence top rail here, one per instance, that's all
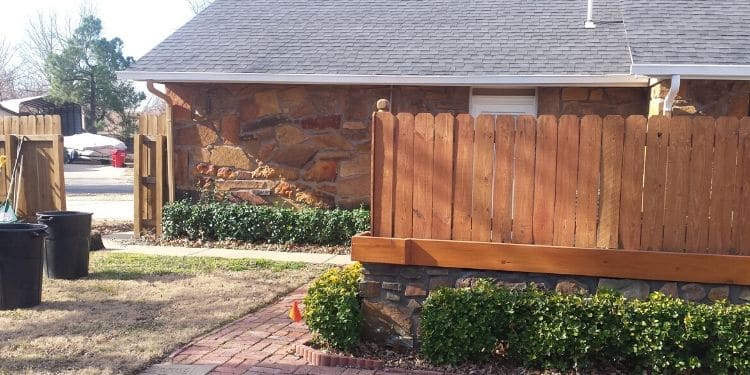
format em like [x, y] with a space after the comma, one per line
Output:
[31, 125]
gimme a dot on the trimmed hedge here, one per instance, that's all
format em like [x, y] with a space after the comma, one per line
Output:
[605, 331]
[262, 224]
[332, 308]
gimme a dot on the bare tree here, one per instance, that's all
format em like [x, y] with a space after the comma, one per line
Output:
[9, 72]
[198, 5]
[46, 33]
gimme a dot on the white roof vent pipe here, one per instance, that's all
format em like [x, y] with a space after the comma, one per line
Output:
[589, 24]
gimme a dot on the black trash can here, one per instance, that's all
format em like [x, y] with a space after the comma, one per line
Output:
[21, 254]
[67, 245]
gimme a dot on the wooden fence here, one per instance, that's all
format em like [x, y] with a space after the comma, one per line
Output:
[677, 185]
[41, 185]
[150, 172]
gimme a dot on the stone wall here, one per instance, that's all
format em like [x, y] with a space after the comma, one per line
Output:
[704, 97]
[393, 295]
[624, 101]
[298, 144]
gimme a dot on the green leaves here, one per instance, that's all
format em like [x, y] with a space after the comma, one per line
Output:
[267, 224]
[84, 73]
[605, 331]
[332, 310]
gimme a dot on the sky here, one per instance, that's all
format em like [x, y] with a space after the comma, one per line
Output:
[141, 24]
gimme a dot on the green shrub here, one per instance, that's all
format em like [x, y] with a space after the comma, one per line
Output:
[332, 310]
[221, 220]
[605, 331]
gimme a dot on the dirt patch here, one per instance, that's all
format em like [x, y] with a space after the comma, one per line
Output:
[152, 240]
[107, 226]
[120, 322]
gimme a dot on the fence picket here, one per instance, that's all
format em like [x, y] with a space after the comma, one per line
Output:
[523, 189]
[380, 208]
[484, 143]
[655, 175]
[631, 197]
[699, 194]
[502, 204]
[404, 176]
[442, 192]
[566, 181]
[423, 156]
[613, 134]
[741, 226]
[723, 184]
[464, 167]
[544, 180]
[676, 196]
[589, 161]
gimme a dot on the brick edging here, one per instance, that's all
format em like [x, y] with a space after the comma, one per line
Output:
[318, 358]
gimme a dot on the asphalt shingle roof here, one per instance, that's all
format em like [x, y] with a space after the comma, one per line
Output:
[688, 31]
[397, 37]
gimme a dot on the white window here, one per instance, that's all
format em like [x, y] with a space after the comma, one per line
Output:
[503, 102]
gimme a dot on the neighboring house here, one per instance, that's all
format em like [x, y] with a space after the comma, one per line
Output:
[281, 92]
[71, 119]
[6, 112]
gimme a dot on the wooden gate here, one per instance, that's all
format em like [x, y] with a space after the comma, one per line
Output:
[150, 172]
[659, 198]
[41, 179]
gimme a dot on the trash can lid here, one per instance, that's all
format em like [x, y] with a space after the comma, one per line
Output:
[22, 227]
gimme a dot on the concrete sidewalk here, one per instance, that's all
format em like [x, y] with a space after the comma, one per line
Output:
[117, 243]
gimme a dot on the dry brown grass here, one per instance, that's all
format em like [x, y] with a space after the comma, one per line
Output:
[116, 322]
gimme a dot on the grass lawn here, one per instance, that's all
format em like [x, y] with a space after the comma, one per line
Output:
[134, 310]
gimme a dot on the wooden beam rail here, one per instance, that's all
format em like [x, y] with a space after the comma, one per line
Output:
[560, 260]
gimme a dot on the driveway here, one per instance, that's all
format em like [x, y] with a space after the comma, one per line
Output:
[105, 191]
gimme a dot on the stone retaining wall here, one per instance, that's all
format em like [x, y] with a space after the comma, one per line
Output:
[393, 295]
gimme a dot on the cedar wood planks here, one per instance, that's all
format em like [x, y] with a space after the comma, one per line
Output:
[699, 194]
[741, 230]
[423, 179]
[566, 180]
[549, 176]
[723, 184]
[676, 196]
[613, 129]
[523, 188]
[464, 167]
[655, 175]
[442, 191]
[502, 203]
[484, 143]
[632, 183]
[589, 161]
[402, 227]
[544, 180]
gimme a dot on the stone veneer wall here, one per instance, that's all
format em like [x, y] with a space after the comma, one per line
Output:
[298, 144]
[624, 101]
[393, 295]
[704, 97]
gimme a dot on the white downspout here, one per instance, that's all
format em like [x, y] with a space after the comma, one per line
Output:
[589, 24]
[671, 95]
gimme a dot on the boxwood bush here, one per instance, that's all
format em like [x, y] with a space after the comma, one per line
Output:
[332, 307]
[220, 220]
[570, 332]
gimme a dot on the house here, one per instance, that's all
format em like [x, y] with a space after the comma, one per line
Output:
[272, 99]
[71, 117]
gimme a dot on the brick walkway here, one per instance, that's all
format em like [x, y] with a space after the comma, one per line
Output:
[260, 343]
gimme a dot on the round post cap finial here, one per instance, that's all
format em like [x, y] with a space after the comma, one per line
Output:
[383, 105]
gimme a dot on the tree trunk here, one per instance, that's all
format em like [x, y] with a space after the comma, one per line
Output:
[91, 112]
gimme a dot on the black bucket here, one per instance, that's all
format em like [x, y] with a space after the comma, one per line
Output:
[21, 252]
[67, 245]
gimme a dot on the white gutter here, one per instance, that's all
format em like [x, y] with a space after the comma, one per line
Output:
[620, 80]
[671, 95]
[693, 71]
